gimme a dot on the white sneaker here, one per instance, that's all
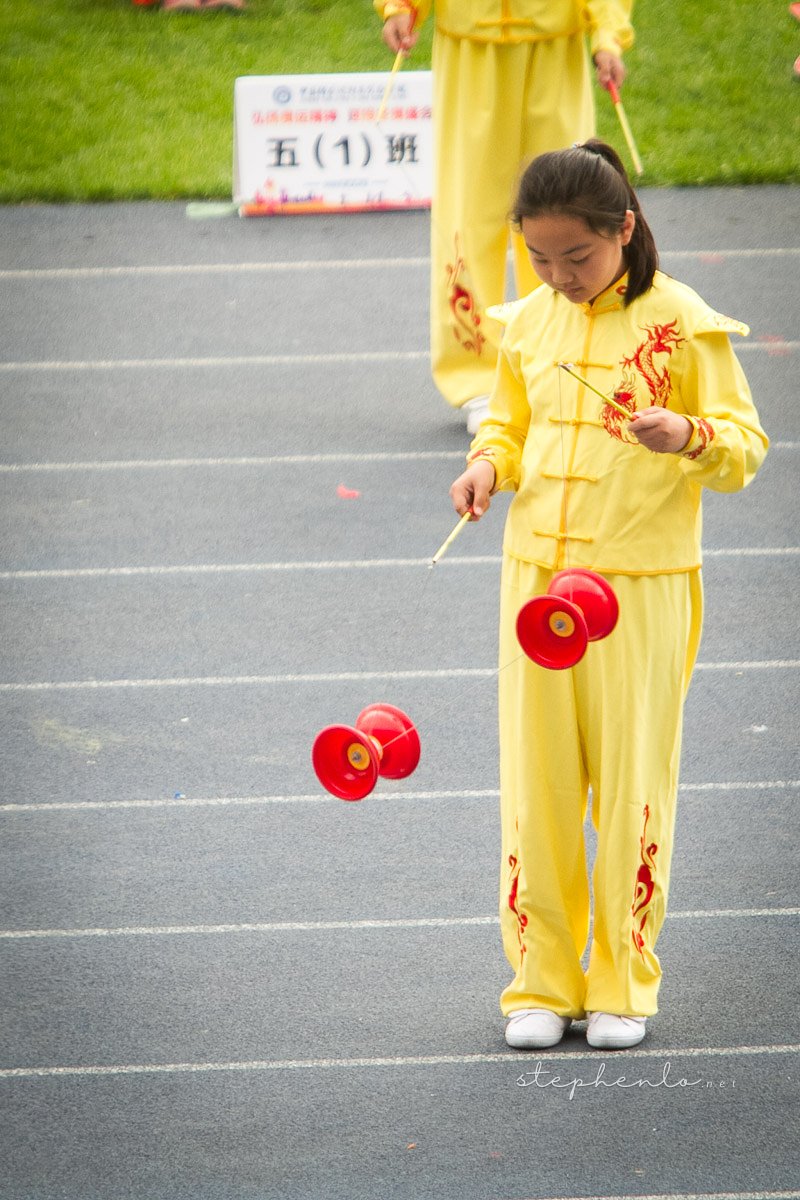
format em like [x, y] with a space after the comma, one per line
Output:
[606, 1031]
[535, 1028]
[476, 411]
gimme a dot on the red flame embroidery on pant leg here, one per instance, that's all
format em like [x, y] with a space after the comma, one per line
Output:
[522, 919]
[644, 886]
[463, 306]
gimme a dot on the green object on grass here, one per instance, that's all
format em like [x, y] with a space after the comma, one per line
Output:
[205, 210]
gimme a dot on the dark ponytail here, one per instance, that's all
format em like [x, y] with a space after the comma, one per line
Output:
[589, 182]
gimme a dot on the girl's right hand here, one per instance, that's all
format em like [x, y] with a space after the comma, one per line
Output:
[398, 33]
[610, 68]
[473, 489]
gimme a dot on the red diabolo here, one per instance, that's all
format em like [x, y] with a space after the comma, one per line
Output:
[348, 759]
[579, 607]
[593, 595]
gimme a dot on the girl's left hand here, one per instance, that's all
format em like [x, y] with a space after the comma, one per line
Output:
[660, 430]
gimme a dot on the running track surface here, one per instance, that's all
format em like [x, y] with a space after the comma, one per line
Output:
[217, 980]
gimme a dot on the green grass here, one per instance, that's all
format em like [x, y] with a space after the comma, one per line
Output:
[102, 100]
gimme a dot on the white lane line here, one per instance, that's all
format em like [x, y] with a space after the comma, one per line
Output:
[123, 931]
[178, 802]
[226, 801]
[751, 786]
[244, 268]
[752, 551]
[244, 360]
[434, 1060]
[714, 914]
[769, 665]
[775, 349]
[244, 680]
[761, 1195]
[250, 927]
[331, 264]
[456, 560]
[752, 252]
[274, 460]
[138, 464]
[68, 685]
[244, 568]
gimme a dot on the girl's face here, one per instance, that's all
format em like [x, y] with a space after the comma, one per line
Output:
[571, 258]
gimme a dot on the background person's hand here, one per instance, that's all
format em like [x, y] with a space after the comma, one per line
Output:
[610, 68]
[398, 33]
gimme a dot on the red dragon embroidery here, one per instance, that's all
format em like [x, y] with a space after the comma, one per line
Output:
[661, 339]
[644, 886]
[463, 306]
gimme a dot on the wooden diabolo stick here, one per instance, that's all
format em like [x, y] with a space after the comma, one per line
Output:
[449, 541]
[398, 62]
[607, 399]
[626, 129]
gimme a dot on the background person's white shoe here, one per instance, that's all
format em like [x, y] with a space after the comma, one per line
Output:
[535, 1028]
[475, 411]
[606, 1031]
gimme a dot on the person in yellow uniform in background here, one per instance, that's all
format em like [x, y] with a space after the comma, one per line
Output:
[620, 496]
[511, 79]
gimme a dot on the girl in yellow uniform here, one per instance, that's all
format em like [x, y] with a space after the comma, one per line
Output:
[511, 79]
[620, 496]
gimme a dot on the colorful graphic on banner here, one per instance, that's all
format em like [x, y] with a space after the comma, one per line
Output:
[312, 143]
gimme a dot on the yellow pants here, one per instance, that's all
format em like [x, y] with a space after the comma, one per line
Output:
[495, 108]
[613, 723]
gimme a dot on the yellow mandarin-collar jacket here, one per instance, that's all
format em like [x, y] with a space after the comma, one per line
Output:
[587, 493]
[607, 21]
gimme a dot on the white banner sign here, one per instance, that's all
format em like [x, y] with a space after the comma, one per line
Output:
[313, 143]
